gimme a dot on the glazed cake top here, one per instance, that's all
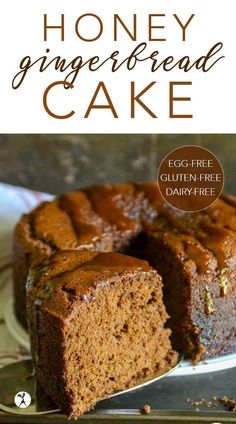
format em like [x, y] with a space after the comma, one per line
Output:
[108, 217]
[69, 278]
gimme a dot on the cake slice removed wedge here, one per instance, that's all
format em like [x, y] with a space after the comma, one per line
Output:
[96, 323]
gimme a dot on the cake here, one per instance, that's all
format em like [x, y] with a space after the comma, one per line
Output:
[97, 326]
[195, 253]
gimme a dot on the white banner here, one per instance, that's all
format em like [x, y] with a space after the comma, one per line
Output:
[129, 66]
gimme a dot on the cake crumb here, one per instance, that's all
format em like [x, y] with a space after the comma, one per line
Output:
[228, 403]
[145, 410]
[203, 403]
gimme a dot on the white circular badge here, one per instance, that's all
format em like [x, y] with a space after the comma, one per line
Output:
[22, 399]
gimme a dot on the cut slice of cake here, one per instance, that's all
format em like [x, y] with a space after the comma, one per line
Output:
[96, 323]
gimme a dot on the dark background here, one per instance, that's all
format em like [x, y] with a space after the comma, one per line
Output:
[57, 163]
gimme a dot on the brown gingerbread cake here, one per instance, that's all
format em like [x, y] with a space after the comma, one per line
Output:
[96, 323]
[195, 253]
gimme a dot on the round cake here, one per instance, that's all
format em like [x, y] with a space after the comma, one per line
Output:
[194, 253]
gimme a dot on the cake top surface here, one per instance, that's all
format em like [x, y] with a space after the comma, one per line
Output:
[69, 278]
[106, 218]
